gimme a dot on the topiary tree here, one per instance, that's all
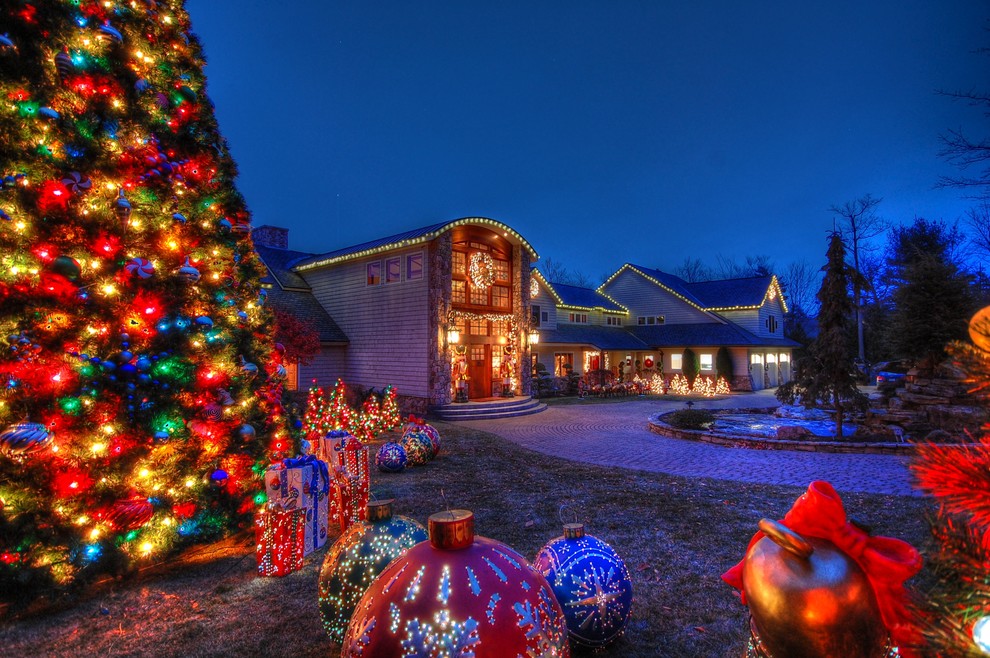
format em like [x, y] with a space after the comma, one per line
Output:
[723, 364]
[690, 365]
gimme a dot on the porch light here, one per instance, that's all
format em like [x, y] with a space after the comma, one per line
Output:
[534, 337]
[453, 336]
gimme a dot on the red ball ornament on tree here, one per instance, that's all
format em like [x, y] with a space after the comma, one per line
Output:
[457, 595]
[129, 514]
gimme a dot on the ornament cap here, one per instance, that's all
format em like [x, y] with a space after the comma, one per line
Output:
[452, 530]
[573, 530]
[380, 510]
[787, 538]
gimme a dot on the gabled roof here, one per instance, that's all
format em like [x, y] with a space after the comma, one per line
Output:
[279, 263]
[289, 292]
[579, 298]
[750, 292]
[604, 338]
[718, 295]
[704, 334]
[408, 239]
[672, 284]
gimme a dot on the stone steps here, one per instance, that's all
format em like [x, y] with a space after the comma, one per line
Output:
[488, 409]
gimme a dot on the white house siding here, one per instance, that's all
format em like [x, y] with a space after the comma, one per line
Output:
[547, 304]
[775, 309]
[644, 298]
[749, 319]
[387, 325]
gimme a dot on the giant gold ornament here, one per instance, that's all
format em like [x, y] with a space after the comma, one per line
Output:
[979, 329]
[809, 599]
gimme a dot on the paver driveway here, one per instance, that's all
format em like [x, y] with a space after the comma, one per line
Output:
[616, 435]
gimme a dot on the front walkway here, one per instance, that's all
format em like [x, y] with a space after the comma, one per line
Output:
[616, 435]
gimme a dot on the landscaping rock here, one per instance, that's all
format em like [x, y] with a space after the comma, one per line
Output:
[793, 433]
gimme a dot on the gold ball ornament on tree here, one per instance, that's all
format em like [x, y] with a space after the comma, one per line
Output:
[979, 329]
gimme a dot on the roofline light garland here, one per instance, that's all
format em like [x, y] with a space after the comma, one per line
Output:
[561, 304]
[483, 221]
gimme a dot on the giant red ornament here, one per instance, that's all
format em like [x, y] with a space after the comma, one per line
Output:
[458, 595]
[129, 514]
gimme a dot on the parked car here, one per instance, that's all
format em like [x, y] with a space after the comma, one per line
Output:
[892, 371]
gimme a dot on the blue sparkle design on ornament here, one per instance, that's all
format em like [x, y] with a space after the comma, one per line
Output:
[592, 584]
[413, 591]
[492, 604]
[508, 558]
[388, 587]
[473, 581]
[444, 593]
[395, 617]
[498, 572]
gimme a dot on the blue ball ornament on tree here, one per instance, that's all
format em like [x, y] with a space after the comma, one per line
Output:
[21, 439]
[591, 584]
[355, 560]
[391, 458]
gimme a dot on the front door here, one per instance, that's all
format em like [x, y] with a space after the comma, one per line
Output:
[479, 371]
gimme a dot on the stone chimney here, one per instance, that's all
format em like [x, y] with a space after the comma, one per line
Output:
[271, 236]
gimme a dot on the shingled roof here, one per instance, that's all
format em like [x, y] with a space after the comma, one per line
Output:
[289, 292]
[674, 283]
[704, 334]
[604, 338]
[727, 293]
[584, 297]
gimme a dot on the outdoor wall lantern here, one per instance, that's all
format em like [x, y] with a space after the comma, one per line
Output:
[534, 337]
[453, 336]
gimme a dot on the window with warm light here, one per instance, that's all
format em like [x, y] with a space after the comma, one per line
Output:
[706, 362]
[676, 361]
[458, 292]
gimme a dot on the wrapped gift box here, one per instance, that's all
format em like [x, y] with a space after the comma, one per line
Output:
[281, 539]
[303, 483]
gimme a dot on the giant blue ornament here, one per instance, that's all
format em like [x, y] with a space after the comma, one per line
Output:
[391, 458]
[591, 584]
[356, 559]
[24, 439]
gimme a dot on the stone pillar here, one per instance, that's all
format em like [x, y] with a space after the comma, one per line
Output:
[522, 303]
[438, 271]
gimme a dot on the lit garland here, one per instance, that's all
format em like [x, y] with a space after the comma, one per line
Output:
[481, 270]
[534, 287]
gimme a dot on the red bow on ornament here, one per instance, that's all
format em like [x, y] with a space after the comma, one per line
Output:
[414, 420]
[887, 562]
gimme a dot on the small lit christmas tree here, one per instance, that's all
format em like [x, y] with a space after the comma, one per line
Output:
[957, 619]
[340, 416]
[368, 423]
[391, 418]
[316, 418]
[130, 416]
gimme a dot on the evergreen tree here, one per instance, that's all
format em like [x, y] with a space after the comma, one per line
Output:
[690, 365]
[932, 295]
[826, 374]
[130, 416]
[723, 364]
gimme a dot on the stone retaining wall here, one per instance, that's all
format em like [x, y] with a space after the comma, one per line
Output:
[758, 443]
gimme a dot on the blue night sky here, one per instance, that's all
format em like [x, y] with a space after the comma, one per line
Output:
[604, 132]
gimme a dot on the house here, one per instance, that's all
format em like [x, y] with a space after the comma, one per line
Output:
[457, 309]
[646, 318]
[425, 310]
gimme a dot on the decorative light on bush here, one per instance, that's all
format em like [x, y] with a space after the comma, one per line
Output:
[534, 287]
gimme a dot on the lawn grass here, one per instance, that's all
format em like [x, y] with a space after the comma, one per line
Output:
[676, 534]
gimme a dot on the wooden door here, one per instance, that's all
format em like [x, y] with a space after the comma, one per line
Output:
[480, 371]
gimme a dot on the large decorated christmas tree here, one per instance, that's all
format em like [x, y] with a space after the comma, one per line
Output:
[139, 398]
